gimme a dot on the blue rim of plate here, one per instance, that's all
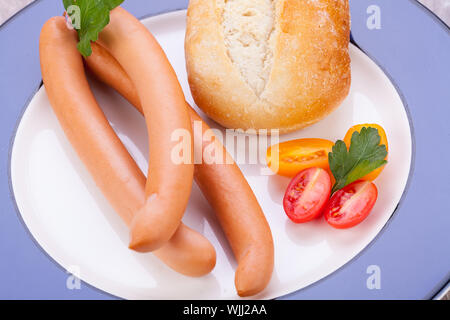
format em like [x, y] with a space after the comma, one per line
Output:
[413, 253]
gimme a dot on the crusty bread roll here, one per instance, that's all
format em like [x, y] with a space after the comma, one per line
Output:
[268, 64]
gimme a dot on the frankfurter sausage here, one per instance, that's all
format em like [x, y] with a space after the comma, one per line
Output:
[223, 185]
[106, 158]
[169, 184]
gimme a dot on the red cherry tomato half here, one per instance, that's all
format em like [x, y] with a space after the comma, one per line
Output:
[351, 205]
[307, 195]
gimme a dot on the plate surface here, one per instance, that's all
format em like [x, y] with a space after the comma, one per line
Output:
[75, 225]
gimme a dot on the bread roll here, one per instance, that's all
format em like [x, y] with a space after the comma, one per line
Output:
[268, 64]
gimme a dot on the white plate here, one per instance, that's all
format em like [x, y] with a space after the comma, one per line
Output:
[75, 225]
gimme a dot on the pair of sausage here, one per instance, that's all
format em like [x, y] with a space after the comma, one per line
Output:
[130, 60]
[102, 152]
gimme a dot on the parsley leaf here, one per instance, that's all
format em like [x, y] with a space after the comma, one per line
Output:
[93, 16]
[364, 156]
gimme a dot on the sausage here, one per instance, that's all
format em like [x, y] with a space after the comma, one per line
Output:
[169, 184]
[223, 185]
[241, 218]
[106, 158]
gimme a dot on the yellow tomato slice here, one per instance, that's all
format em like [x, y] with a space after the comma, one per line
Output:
[348, 137]
[289, 158]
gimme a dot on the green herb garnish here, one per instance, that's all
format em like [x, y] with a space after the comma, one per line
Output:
[364, 156]
[89, 17]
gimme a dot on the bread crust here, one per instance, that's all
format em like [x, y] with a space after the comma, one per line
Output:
[310, 75]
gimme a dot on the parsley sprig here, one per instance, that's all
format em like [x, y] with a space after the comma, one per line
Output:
[364, 156]
[93, 16]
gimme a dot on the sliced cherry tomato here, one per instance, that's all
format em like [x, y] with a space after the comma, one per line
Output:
[297, 155]
[351, 205]
[307, 195]
[348, 137]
